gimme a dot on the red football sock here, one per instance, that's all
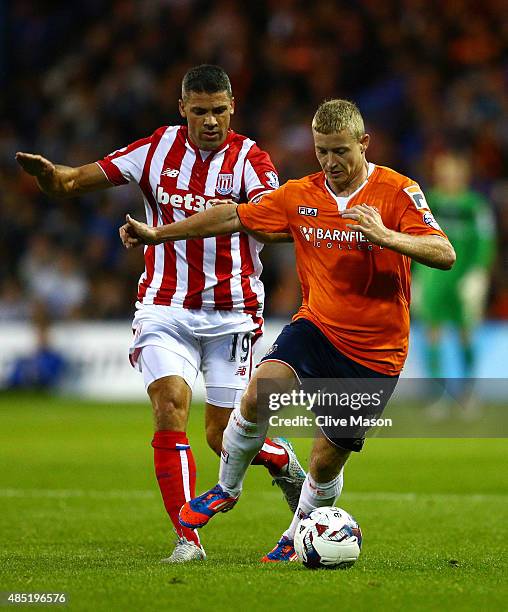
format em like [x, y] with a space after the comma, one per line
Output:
[175, 469]
[272, 455]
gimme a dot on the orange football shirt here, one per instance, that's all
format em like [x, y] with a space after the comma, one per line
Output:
[355, 292]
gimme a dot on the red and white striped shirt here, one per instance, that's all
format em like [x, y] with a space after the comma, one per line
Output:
[178, 180]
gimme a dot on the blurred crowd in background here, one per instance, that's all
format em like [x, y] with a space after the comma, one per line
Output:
[81, 81]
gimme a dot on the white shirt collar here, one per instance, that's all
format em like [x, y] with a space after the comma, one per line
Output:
[342, 201]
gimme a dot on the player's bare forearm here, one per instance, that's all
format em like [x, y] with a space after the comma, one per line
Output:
[433, 251]
[259, 235]
[215, 221]
[62, 181]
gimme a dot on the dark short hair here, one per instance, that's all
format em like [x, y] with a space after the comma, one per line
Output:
[206, 78]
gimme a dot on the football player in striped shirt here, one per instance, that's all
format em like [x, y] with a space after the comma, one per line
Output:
[200, 301]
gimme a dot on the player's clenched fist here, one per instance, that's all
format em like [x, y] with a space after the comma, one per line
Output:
[134, 233]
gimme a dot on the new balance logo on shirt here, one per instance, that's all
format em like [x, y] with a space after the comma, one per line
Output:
[170, 172]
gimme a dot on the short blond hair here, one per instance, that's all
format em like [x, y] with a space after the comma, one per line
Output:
[334, 116]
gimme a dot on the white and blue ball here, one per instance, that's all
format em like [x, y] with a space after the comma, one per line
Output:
[328, 538]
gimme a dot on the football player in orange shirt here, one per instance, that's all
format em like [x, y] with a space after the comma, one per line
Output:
[356, 226]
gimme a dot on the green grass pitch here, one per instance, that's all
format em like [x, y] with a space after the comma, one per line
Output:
[80, 513]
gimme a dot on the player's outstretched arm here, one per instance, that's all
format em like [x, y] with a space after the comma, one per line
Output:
[433, 251]
[62, 181]
[263, 237]
[215, 221]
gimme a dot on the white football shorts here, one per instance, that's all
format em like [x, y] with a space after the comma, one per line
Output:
[177, 341]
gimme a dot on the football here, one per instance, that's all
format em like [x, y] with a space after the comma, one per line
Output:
[328, 538]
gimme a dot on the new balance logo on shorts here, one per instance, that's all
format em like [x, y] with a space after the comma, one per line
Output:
[242, 370]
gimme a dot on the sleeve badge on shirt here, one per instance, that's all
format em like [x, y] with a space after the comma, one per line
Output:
[272, 179]
[224, 184]
[417, 197]
[428, 218]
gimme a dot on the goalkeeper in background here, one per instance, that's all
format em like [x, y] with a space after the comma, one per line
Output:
[458, 297]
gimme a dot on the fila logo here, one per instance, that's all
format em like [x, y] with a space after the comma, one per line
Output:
[307, 232]
[170, 172]
[306, 211]
[242, 370]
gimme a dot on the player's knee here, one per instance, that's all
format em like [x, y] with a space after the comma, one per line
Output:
[170, 406]
[166, 397]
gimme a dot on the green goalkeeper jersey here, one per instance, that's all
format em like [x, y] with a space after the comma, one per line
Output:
[467, 220]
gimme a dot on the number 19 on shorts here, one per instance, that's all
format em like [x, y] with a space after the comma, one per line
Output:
[241, 347]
